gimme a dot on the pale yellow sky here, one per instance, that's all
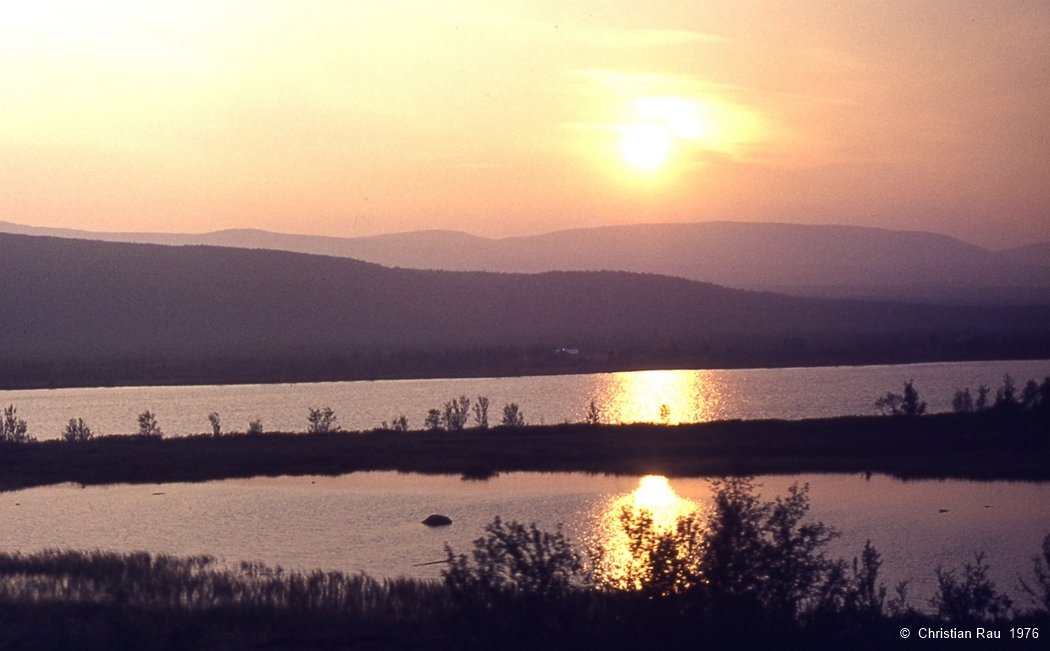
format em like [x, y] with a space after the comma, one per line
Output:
[506, 118]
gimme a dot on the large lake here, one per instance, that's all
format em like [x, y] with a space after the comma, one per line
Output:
[674, 396]
[372, 521]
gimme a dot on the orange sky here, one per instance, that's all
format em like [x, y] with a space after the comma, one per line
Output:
[506, 118]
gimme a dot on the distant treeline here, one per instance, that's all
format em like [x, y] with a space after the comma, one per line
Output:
[269, 366]
[746, 574]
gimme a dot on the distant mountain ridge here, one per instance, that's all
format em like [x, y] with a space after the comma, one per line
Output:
[75, 309]
[804, 260]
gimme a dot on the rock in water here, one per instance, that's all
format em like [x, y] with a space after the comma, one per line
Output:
[437, 520]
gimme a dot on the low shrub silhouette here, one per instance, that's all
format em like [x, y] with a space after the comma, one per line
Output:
[962, 402]
[1006, 399]
[399, 424]
[594, 414]
[514, 559]
[148, 426]
[433, 420]
[12, 428]
[1040, 590]
[454, 414]
[216, 424]
[322, 420]
[764, 558]
[481, 412]
[902, 404]
[76, 431]
[512, 416]
[514, 588]
[971, 598]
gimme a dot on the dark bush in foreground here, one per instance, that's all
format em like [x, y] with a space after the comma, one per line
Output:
[972, 598]
[748, 574]
[517, 589]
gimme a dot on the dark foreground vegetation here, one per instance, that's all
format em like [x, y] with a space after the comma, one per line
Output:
[989, 444]
[744, 574]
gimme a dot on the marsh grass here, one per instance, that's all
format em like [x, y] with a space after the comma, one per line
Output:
[200, 583]
[106, 600]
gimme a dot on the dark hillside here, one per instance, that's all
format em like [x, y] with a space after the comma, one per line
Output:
[1032, 254]
[64, 300]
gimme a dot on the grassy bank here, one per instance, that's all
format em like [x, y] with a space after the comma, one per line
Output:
[976, 446]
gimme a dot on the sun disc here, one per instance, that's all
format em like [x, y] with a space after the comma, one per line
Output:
[654, 492]
[646, 146]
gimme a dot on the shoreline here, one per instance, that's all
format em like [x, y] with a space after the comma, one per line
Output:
[984, 446]
[541, 371]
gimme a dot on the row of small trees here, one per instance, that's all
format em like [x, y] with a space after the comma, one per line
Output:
[454, 415]
[1032, 398]
[14, 429]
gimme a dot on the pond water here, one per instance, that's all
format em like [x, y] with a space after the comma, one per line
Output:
[651, 396]
[372, 521]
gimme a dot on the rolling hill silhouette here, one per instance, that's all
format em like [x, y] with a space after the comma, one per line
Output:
[78, 304]
[803, 260]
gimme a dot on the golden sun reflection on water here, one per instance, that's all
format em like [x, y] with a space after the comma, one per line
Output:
[621, 564]
[670, 397]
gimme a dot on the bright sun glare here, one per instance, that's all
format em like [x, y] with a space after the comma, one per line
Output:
[648, 143]
[654, 492]
[654, 497]
[646, 146]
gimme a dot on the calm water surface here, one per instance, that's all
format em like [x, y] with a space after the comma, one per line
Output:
[371, 521]
[685, 396]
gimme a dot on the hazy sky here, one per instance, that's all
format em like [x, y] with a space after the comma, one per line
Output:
[505, 118]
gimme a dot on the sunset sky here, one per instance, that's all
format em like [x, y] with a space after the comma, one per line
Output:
[508, 118]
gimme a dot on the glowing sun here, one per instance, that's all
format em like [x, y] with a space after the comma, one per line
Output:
[646, 146]
[648, 143]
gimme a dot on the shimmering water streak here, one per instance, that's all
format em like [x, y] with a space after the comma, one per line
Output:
[623, 560]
